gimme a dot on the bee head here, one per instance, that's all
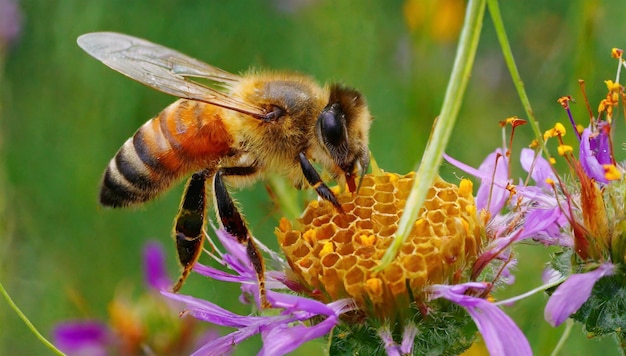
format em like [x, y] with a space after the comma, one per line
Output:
[343, 130]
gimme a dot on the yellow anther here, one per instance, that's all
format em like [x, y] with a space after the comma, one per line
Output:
[327, 248]
[557, 130]
[611, 172]
[466, 187]
[367, 240]
[616, 53]
[564, 149]
[310, 236]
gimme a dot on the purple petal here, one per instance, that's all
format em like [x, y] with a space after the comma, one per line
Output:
[573, 293]
[550, 275]
[390, 345]
[218, 274]
[283, 338]
[538, 167]
[408, 338]
[591, 155]
[492, 193]
[489, 195]
[154, 267]
[10, 22]
[501, 335]
[87, 337]
[212, 313]
[543, 224]
[225, 344]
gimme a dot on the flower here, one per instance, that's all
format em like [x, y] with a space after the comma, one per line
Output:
[148, 324]
[575, 291]
[327, 284]
[591, 228]
[10, 23]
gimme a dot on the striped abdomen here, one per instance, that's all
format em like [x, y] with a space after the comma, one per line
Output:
[187, 136]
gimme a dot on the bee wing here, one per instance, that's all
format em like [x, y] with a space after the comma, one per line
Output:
[164, 69]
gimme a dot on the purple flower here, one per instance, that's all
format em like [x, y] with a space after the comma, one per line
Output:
[135, 326]
[83, 337]
[538, 167]
[10, 22]
[281, 333]
[154, 267]
[501, 335]
[408, 338]
[573, 293]
[493, 173]
[595, 151]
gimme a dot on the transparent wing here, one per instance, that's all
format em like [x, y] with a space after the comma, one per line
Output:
[164, 69]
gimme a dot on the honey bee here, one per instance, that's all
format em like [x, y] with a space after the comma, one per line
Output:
[232, 134]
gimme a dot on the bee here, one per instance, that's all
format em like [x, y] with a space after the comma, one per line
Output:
[227, 134]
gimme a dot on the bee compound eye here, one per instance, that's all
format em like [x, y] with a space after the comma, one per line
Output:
[331, 125]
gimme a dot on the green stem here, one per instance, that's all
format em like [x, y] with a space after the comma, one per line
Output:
[286, 195]
[429, 167]
[620, 337]
[569, 324]
[30, 325]
[494, 11]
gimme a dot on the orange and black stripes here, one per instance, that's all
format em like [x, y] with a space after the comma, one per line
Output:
[186, 136]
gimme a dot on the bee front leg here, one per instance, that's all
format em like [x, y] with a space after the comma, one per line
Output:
[233, 223]
[189, 225]
[316, 182]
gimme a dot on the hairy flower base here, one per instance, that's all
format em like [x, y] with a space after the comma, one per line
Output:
[335, 255]
[446, 329]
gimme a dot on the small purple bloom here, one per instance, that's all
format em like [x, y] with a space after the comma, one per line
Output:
[154, 267]
[10, 22]
[538, 167]
[390, 345]
[493, 173]
[501, 335]
[573, 293]
[84, 337]
[595, 151]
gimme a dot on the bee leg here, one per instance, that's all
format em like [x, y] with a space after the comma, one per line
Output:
[189, 225]
[233, 223]
[316, 182]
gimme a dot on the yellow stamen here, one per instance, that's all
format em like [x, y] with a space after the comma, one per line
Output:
[309, 236]
[611, 172]
[466, 187]
[564, 149]
[367, 240]
[327, 248]
[616, 53]
[557, 130]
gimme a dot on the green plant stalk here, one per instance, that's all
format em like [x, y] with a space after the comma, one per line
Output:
[30, 325]
[569, 324]
[496, 17]
[433, 154]
[287, 199]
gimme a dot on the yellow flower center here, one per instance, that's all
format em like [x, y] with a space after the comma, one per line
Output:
[335, 255]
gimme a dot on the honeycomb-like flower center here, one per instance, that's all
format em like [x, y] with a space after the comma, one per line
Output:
[335, 255]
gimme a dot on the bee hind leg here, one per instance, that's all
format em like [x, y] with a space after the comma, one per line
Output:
[189, 225]
[233, 223]
[317, 183]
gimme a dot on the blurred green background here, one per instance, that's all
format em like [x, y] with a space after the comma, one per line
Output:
[63, 115]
